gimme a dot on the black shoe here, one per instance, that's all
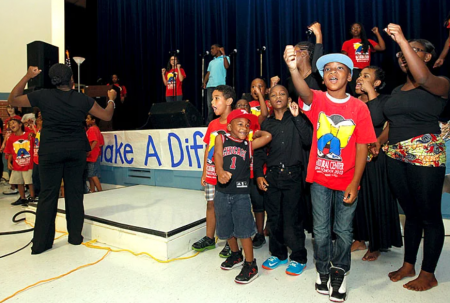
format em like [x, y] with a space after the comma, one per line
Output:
[204, 244]
[20, 201]
[236, 259]
[337, 284]
[259, 240]
[226, 251]
[248, 273]
[322, 283]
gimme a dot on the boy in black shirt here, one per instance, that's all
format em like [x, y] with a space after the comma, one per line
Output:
[282, 183]
[234, 219]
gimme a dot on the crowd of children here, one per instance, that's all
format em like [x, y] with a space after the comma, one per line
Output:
[347, 171]
[20, 144]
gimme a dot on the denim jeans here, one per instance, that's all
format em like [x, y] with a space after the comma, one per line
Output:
[327, 253]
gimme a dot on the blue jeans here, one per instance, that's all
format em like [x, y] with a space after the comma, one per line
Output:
[326, 253]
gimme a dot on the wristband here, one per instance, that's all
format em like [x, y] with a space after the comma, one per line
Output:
[112, 102]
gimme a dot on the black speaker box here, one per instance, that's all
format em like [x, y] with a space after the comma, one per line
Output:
[174, 115]
[42, 55]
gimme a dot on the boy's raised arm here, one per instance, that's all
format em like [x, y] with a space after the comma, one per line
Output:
[300, 85]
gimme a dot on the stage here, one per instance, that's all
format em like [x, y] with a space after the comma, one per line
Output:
[162, 221]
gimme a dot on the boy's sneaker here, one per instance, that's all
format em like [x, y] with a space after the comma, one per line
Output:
[322, 283]
[248, 273]
[236, 259]
[204, 244]
[259, 240]
[20, 201]
[337, 284]
[295, 268]
[273, 262]
[226, 251]
[11, 191]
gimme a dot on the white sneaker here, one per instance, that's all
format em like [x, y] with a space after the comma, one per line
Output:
[11, 191]
[322, 284]
[337, 284]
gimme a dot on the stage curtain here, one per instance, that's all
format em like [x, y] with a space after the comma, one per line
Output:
[135, 37]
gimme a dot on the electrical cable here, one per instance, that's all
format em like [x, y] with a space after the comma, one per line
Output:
[18, 231]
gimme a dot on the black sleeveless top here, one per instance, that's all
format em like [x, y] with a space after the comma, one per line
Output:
[236, 160]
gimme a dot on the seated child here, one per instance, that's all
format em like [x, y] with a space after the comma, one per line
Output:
[233, 160]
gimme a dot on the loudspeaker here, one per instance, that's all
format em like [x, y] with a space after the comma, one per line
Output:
[42, 55]
[174, 115]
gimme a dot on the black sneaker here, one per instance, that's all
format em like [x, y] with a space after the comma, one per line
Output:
[259, 240]
[226, 251]
[20, 201]
[322, 283]
[236, 259]
[204, 243]
[248, 273]
[337, 284]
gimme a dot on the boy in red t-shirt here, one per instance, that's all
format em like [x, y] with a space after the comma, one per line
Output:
[96, 141]
[19, 149]
[223, 97]
[342, 130]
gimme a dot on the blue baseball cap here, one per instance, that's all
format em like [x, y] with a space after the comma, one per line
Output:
[341, 58]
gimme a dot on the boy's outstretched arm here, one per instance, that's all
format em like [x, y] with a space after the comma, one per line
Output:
[300, 85]
[261, 138]
[262, 105]
[351, 193]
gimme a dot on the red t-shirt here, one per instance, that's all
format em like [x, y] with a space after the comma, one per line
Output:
[172, 77]
[92, 135]
[338, 127]
[255, 107]
[37, 141]
[21, 148]
[213, 130]
[354, 50]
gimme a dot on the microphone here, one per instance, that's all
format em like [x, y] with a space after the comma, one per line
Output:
[99, 80]
[174, 52]
[261, 50]
[309, 32]
[206, 53]
[234, 52]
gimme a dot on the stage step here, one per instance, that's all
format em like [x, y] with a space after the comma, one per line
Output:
[162, 221]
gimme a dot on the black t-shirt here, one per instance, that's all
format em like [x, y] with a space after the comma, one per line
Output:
[63, 114]
[376, 112]
[236, 160]
[412, 113]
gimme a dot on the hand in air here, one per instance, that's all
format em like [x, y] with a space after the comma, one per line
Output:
[315, 27]
[178, 66]
[290, 58]
[33, 71]
[257, 90]
[112, 94]
[375, 30]
[163, 71]
[274, 81]
[222, 51]
[224, 177]
[439, 62]
[293, 107]
[396, 33]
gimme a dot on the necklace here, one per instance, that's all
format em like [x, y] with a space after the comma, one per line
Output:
[307, 74]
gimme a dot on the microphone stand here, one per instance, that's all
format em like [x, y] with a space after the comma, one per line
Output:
[203, 77]
[261, 51]
[233, 66]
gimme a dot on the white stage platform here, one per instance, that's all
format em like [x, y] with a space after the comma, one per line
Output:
[162, 221]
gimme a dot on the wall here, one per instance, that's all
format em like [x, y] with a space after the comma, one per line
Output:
[23, 22]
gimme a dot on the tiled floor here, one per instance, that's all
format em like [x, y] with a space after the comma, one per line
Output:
[121, 277]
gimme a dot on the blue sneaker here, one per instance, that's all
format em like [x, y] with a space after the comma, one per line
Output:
[294, 268]
[273, 262]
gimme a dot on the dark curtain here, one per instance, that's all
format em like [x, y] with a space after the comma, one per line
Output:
[135, 37]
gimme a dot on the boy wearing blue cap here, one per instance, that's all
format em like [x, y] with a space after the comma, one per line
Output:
[343, 129]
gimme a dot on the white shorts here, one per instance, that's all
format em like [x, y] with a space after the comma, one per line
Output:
[21, 177]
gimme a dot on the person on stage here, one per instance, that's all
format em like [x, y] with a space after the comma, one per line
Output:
[62, 150]
[216, 75]
[173, 77]
[123, 90]
[359, 49]
[416, 156]
[376, 216]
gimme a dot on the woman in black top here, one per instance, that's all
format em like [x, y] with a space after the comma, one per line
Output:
[416, 156]
[62, 151]
[376, 217]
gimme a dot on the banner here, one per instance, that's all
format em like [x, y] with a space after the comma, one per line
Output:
[174, 149]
